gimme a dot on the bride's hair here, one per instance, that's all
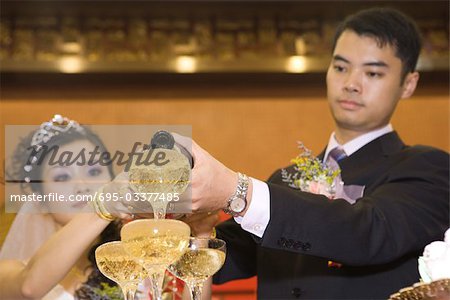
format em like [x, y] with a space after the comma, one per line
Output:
[27, 163]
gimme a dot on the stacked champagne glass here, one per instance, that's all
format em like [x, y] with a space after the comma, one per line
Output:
[150, 246]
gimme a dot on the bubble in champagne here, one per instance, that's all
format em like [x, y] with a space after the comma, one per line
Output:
[197, 265]
[157, 250]
[121, 269]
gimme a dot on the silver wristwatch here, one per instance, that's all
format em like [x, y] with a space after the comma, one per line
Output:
[238, 202]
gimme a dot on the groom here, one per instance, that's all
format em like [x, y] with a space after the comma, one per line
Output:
[304, 245]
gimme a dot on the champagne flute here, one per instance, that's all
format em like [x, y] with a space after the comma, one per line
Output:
[161, 182]
[203, 258]
[116, 264]
[155, 244]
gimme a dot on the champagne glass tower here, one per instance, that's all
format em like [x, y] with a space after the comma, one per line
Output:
[203, 258]
[155, 244]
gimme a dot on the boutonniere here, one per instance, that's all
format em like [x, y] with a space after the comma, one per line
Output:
[311, 174]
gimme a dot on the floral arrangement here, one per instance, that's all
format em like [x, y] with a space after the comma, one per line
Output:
[434, 271]
[311, 174]
[434, 264]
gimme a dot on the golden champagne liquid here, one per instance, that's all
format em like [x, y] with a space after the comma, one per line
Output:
[121, 269]
[173, 177]
[197, 265]
[158, 250]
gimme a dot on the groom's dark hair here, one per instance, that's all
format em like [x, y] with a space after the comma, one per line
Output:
[388, 27]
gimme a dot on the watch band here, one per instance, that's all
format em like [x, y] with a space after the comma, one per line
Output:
[241, 193]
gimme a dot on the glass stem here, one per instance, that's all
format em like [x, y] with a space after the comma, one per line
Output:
[159, 210]
[128, 292]
[196, 291]
[157, 282]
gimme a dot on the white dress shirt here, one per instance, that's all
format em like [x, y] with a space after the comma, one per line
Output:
[257, 216]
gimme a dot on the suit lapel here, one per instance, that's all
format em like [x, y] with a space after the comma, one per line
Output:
[360, 167]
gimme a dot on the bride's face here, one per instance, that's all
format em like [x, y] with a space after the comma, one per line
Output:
[72, 181]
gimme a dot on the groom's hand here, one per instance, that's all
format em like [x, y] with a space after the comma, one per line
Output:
[212, 183]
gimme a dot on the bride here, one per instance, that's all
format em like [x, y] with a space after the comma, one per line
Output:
[64, 267]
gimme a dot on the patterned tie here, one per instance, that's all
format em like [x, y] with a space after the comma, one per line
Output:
[337, 154]
[348, 192]
[334, 156]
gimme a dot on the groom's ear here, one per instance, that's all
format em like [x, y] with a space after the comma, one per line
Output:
[409, 84]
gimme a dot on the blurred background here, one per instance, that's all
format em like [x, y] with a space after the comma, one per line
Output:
[249, 77]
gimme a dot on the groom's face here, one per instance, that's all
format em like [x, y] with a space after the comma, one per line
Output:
[363, 83]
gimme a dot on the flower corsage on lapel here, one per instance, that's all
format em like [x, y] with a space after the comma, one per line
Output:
[311, 174]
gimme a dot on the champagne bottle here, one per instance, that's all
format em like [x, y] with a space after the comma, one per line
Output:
[163, 139]
[163, 183]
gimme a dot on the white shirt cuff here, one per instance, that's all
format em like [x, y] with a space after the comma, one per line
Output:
[257, 216]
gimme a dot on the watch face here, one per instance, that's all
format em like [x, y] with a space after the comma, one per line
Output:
[238, 205]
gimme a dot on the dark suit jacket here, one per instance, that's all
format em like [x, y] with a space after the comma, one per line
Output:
[378, 239]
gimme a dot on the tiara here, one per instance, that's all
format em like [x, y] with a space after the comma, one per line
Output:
[56, 126]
